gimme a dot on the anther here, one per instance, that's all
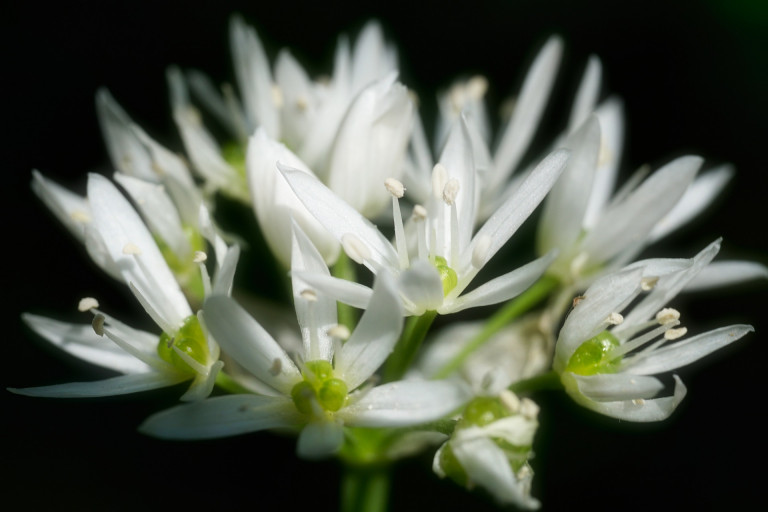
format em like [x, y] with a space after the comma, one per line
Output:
[200, 257]
[510, 401]
[355, 248]
[529, 409]
[614, 319]
[477, 87]
[667, 316]
[277, 95]
[394, 187]
[419, 212]
[338, 331]
[87, 304]
[276, 368]
[439, 177]
[450, 191]
[98, 324]
[308, 295]
[131, 249]
[648, 283]
[673, 334]
[638, 401]
[80, 216]
[302, 103]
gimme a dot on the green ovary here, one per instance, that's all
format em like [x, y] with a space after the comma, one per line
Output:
[447, 274]
[593, 356]
[190, 340]
[320, 386]
[186, 271]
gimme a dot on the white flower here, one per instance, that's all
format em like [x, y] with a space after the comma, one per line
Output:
[606, 356]
[321, 390]
[447, 255]
[122, 244]
[490, 448]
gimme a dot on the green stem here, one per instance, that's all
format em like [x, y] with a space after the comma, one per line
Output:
[344, 269]
[365, 488]
[415, 331]
[513, 309]
[549, 380]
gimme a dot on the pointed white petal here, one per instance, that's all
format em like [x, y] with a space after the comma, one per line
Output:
[682, 353]
[225, 274]
[422, 287]
[375, 335]
[82, 342]
[347, 292]
[71, 209]
[726, 273]
[243, 339]
[319, 439]
[222, 417]
[501, 288]
[122, 385]
[617, 386]
[404, 403]
[516, 209]
[585, 102]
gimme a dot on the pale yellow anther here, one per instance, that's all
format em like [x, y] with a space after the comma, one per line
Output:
[355, 248]
[302, 103]
[529, 409]
[80, 216]
[477, 86]
[578, 263]
[480, 251]
[638, 401]
[648, 283]
[131, 250]
[338, 331]
[98, 324]
[419, 212]
[395, 187]
[524, 472]
[614, 319]
[277, 95]
[510, 401]
[276, 368]
[673, 334]
[451, 191]
[200, 257]
[439, 177]
[309, 295]
[667, 316]
[87, 304]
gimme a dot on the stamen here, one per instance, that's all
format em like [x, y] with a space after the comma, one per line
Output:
[529, 409]
[648, 283]
[355, 248]
[98, 324]
[308, 295]
[80, 216]
[339, 332]
[638, 401]
[614, 319]
[673, 334]
[480, 251]
[450, 191]
[419, 213]
[200, 257]
[302, 103]
[276, 368]
[439, 178]
[419, 216]
[196, 366]
[667, 315]
[395, 187]
[87, 304]
[131, 249]
[509, 400]
[578, 263]
[477, 87]
[277, 95]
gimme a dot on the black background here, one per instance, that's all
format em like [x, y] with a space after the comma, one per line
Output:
[693, 76]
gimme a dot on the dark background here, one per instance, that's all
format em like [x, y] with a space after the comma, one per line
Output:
[693, 76]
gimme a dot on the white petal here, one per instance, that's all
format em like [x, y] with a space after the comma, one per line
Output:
[347, 292]
[501, 288]
[640, 410]
[375, 335]
[404, 403]
[586, 97]
[528, 109]
[122, 385]
[82, 342]
[340, 218]
[422, 286]
[617, 386]
[319, 439]
[222, 417]
[487, 466]
[242, 338]
[225, 274]
[71, 209]
[726, 273]
[684, 352]
[516, 209]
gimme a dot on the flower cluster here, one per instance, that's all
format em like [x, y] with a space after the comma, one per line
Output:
[379, 232]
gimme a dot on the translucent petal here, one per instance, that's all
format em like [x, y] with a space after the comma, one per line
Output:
[319, 439]
[122, 385]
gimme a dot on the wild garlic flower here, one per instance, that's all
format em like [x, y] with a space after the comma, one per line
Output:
[325, 387]
[358, 118]
[490, 448]
[605, 355]
[446, 254]
[118, 239]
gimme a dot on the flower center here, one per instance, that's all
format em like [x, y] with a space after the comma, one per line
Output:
[186, 270]
[320, 390]
[188, 342]
[595, 356]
